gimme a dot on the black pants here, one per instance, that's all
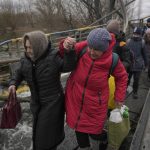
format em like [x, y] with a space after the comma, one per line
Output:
[149, 71]
[83, 138]
[54, 148]
[136, 77]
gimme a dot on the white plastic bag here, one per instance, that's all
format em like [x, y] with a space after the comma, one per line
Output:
[115, 116]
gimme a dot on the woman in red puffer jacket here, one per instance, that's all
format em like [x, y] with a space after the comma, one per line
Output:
[87, 89]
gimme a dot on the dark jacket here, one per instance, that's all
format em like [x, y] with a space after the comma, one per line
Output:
[47, 104]
[144, 29]
[124, 54]
[147, 45]
[138, 48]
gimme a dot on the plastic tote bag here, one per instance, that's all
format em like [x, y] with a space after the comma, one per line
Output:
[118, 129]
[10, 113]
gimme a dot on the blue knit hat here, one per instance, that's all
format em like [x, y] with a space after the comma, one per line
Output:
[99, 39]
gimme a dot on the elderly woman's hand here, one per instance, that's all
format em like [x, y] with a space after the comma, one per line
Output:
[69, 43]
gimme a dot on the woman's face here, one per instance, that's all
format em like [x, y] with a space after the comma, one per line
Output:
[95, 54]
[29, 50]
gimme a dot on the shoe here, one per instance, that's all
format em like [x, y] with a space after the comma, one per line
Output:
[135, 95]
[103, 146]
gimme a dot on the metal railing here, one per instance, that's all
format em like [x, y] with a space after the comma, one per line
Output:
[12, 49]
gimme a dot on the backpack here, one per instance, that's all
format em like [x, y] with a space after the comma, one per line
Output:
[143, 43]
[115, 59]
[132, 57]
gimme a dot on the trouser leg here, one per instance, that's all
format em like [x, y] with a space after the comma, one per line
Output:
[34, 132]
[129, 77]
[136, 77]
[149, 71]
[100, 141]
[52, 148]
[82, 139]
[55, 148]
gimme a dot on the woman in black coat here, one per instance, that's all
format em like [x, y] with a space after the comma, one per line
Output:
[41, 68]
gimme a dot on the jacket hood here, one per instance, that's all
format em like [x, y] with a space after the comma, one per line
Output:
[38, 41]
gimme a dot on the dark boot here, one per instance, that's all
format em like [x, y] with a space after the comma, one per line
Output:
[135, 95]
[103, 145]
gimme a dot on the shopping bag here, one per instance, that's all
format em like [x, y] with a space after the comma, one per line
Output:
[10, 113]
[111, 103]
[117, 132]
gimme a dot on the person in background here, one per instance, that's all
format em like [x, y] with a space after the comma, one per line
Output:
[147, 26]
[41, 68]
[147, 48]
[137, 46]
[120, 47]
[87, 89]
[124, 54]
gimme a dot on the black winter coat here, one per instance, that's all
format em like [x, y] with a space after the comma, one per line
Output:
[124, 55]
[47, 105]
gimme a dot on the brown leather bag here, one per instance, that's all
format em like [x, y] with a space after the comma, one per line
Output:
[10, 113]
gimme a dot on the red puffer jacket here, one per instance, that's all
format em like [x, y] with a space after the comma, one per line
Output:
[87, 90]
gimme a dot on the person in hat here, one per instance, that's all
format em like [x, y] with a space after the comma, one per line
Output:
[87, 89]
[120, 47]
[41, 68]
[147, 26]
[137, 46]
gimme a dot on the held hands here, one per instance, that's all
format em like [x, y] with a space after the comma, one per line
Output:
[69, 43]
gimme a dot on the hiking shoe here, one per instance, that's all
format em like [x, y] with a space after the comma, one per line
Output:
[135, 95]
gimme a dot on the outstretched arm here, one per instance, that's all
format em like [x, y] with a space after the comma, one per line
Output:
[70, 43]
[16, 79]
